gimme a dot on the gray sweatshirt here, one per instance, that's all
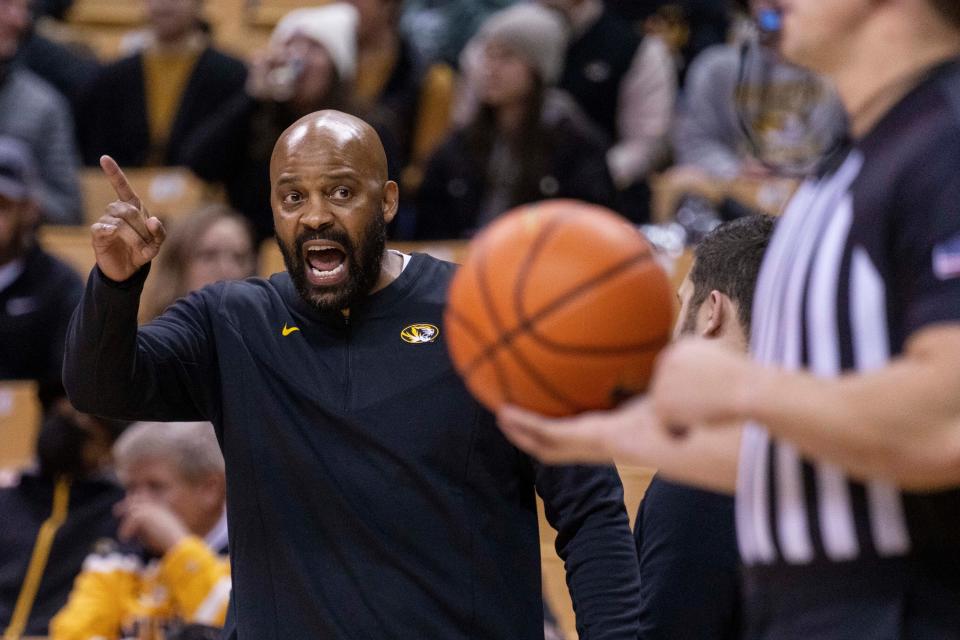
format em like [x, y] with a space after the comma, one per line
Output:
[792, 115]
[32, 110]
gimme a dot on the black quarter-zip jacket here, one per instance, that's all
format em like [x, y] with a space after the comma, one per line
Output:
[369, 495]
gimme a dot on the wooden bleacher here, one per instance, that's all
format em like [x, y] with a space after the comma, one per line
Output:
[266, 13]
[239, 26]
[167, 192]
[19, 421]
[70, 244]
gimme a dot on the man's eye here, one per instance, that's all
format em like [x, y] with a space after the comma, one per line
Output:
[341, 193]
[291, 198]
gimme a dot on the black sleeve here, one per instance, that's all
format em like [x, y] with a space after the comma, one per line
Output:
[164, 371]
[585, 506]
[689, 564]
[927, 241]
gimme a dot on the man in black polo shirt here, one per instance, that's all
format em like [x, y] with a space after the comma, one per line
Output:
[369, 496]
[848, 519]
[38, 292]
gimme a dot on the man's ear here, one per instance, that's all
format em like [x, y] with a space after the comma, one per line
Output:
[718, 311]
[391, 200]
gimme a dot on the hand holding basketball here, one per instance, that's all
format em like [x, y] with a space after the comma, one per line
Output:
[559, 307]
[126, 237]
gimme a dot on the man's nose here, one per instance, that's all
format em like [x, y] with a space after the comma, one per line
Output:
[317, 215]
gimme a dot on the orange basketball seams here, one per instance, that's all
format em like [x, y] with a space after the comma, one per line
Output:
[559, 307]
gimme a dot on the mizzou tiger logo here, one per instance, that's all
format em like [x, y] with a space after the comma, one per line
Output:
[420, 333]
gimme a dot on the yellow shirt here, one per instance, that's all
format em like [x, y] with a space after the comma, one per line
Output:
[165, 77]
[115, 592]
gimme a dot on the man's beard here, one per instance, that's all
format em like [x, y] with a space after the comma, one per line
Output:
[364, 265]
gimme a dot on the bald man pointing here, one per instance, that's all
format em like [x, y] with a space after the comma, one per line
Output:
[369, 496]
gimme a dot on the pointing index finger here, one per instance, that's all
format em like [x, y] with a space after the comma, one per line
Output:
[119, 181]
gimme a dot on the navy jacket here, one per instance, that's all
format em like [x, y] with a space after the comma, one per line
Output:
[689, 564]
[369, 496]
[24, 508]
[34, 312]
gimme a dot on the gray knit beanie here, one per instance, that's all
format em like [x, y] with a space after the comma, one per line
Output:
[535, 32]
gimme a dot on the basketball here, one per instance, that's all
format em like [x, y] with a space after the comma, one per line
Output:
[560, 308]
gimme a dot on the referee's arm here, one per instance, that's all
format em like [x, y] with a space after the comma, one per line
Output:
[901, 422]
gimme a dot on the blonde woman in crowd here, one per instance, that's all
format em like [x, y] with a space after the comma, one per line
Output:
[212, 244]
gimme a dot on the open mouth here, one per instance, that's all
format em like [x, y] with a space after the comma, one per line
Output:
[326, 262]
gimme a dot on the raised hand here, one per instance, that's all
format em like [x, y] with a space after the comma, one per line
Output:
[151, 523]
[126, 237]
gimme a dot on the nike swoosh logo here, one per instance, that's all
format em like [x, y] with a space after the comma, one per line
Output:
[287, 331]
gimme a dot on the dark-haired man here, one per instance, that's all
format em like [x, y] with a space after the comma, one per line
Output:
[689, 567]
[847, 507]
[369, 496]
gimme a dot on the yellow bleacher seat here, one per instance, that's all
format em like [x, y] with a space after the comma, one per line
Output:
[167, 192]
[267, 13]
[106, 12]
[70, 244]
[19, 421]
[102, 24]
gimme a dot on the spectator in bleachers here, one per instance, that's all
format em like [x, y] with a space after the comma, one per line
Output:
[169, 569]
[523, 142]
[56, 9]
[628, 86]
[310, 65]
[694, 25]
[70, 67]
[418, 96]
[37, 291]
[746, 113]
[207, 246]
[36, 113]
[52, 515]
[439, 30]
[142, 107]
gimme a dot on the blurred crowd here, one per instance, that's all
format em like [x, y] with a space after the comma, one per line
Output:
[667, 111]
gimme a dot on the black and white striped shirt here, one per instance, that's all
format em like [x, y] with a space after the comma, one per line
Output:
[865, 256]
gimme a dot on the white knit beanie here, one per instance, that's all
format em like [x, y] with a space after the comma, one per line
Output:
[537, 33]
[333, 26]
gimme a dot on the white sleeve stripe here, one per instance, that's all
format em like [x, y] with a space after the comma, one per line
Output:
[209, 609]
[112, 562]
